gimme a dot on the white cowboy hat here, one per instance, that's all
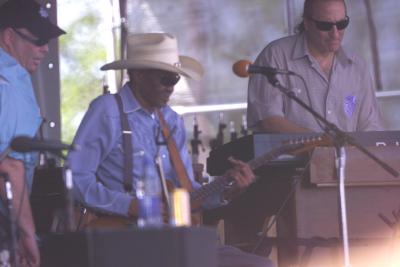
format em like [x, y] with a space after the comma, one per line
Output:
[156, 51]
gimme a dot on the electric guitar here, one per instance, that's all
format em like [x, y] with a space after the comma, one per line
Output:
[218, 185]
[290, 147]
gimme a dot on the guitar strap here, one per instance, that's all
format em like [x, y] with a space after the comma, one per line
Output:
[127, 146]
[176, 159]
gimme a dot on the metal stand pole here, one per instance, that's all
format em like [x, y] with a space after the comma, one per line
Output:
[12, 215]
[340, 139]
[69, 199]
[341, 165]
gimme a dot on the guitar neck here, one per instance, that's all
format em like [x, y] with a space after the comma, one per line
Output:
[220, 182]
[195, 158]
[262, 160]
[292, 147]
[216, 186]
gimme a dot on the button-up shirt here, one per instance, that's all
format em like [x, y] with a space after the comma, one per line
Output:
[346, 98]
[99, 164]
[19, 111]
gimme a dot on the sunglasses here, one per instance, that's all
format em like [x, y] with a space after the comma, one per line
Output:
[169, 79]
[37, 42]
[326, 26]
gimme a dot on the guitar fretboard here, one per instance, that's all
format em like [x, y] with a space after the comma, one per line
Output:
[220, 182]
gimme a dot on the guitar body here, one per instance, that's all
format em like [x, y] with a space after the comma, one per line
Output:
[93, 220]
[112, 221]
[195, 207]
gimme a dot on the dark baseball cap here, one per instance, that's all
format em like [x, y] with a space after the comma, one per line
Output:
[30, 15]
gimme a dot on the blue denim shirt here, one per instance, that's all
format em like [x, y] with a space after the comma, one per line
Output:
[99, 163]
[19, 111]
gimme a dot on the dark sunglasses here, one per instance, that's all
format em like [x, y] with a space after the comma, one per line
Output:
[37, 42]
[326, 26]
[169, 79]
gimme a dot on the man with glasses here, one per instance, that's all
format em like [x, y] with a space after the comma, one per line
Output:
[25, 30]
[338, 83]
[154, 67]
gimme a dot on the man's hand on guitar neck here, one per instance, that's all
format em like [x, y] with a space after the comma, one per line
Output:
[241, 173]
[243, 176]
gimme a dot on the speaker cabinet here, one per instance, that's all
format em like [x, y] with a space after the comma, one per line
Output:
[167, 247]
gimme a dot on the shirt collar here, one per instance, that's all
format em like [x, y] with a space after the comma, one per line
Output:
[300, 50]
[9, 61]
[129, 101]
[343, 57]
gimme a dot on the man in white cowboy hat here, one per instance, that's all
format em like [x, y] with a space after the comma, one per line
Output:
[154, 67]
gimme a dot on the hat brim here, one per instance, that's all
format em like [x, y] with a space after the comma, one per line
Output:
[189, 67]
[45, 30]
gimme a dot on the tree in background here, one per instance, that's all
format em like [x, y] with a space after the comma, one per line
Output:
[82, 53]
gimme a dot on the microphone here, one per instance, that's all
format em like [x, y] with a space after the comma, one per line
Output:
[27, 144]
[243, 68]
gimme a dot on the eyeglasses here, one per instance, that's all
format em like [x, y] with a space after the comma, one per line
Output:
[169, 79]
[326, 26]
[37, 42]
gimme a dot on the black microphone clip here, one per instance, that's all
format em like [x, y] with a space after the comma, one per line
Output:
[268, 70]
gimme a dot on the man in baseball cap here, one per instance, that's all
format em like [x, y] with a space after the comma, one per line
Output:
[25, 30]
[30, 15]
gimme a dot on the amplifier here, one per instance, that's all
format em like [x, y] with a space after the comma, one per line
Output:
[47, 196]
[167, 247]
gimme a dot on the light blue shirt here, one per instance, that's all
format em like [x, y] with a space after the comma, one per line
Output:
[99, 163]
[19, 111]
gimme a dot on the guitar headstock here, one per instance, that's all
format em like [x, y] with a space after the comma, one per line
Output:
[303, 144]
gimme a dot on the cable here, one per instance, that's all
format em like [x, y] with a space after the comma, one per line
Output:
[289, 195]
[309, 99]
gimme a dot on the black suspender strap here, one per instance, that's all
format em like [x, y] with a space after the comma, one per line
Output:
[127, 146]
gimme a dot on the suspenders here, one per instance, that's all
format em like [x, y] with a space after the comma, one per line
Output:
[127, 146]
[128, 151]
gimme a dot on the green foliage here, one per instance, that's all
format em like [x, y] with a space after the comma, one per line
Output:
[82, 53]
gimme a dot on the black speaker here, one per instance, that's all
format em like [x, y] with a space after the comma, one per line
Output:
[167, 247]
[47, 196]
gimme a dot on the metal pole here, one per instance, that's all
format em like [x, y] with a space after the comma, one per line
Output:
[341, 165]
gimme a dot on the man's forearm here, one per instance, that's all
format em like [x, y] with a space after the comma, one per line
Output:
[22, 210]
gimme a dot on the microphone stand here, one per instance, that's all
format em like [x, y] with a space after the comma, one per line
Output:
[105, 86]
[219, 141]
[195, 144]
[13, 217]
[69, 198]
[12, 214]
[232, 131]
[243, 128]
[340, 139]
